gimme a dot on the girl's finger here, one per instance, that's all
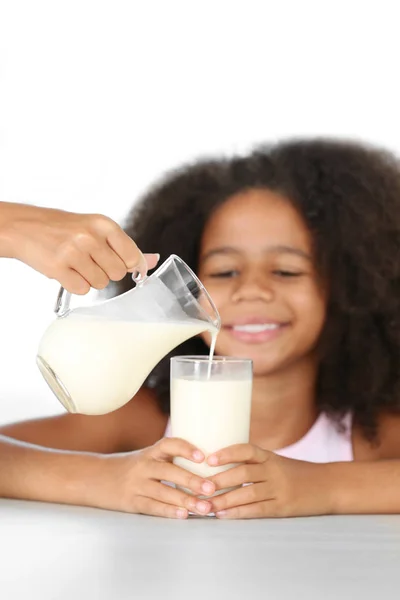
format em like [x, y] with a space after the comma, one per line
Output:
[170, 495]
[238, 475]
[238, 454]
[169, 448]
[165, 471]
[257, 510]
[249, 494]
[155, 508]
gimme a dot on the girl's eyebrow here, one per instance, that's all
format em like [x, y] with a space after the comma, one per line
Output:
[280, 249]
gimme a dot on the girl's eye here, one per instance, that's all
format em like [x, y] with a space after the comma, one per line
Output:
[224, 274]
[287, 274]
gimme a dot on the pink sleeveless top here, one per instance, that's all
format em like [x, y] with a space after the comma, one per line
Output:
[325, 442]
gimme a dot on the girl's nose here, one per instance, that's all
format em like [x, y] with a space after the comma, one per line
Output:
[253, 288]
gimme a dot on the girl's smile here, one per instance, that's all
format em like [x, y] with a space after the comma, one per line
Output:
[255, 330]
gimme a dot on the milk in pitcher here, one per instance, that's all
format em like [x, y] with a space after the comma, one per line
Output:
[103, 363]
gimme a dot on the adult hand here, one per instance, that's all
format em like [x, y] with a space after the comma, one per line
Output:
[78, 250]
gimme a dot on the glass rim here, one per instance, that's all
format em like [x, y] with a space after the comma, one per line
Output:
[216, 359]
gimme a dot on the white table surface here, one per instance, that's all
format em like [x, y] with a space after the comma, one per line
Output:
[53, 552]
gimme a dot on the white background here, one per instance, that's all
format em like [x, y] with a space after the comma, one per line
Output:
[98, 98]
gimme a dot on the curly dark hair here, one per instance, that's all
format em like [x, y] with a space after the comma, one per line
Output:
[349, 196]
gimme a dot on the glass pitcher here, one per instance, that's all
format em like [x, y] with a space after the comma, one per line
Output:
[95, 358]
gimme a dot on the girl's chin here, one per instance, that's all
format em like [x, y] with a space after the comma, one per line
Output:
[260, 369]
[261, 366]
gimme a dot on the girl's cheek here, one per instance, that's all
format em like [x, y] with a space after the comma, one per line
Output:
[219, 293]
[218, 298]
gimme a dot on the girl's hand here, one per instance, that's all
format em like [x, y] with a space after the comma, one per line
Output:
[78, 250]
[281, 487]
[133, 481]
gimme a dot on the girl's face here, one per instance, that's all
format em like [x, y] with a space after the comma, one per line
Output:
[256, 262]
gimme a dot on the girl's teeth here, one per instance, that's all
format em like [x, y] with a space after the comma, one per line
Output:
[255, 328]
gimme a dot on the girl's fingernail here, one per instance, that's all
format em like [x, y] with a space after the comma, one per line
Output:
[208, 487]
[203, 507]
[213, 460]
[197, 455]
[220, 514]
[181, 513]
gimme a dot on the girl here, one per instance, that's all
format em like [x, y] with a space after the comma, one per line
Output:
[299, 246]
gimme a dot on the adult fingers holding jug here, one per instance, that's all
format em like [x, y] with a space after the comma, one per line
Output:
[78, 250]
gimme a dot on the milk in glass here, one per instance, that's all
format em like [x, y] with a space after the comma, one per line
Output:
[210, 409]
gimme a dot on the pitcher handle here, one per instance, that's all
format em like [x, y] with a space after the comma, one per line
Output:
[62, 303]
[64, 297]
